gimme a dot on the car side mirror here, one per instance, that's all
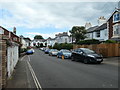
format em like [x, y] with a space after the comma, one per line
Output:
[81, 53]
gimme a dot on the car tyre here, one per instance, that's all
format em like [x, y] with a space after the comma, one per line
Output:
[85, 61]
[57, 56]
[72, 58]
[98, 62]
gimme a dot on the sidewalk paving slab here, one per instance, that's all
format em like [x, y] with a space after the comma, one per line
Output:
[21, 77]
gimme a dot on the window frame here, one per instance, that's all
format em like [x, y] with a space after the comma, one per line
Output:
[114, 29]
[98, 36]
[115, 15]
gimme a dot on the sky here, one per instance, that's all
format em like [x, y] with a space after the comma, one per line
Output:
[47, 18]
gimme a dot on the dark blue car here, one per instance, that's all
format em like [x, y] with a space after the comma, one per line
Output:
[30, 51]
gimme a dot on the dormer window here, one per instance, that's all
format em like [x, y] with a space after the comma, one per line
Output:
[116, 17]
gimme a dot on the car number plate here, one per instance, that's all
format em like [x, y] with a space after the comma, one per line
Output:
[98, 59]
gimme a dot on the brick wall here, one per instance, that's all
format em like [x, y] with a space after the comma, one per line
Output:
[4, 62]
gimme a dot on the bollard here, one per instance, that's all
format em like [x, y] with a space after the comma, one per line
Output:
[63, 57]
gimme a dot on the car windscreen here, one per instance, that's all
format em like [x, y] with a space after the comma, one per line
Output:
[66, 51]
[88, 51]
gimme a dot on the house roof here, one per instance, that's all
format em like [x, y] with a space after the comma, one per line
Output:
[103, 26]
[91, 29]
[115, 10]
[62, 34]
[27, 39]
[51, 38]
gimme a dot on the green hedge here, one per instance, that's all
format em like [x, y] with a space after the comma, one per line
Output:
[63, 46]
[23, 50]
[88, 42]
[110, 41]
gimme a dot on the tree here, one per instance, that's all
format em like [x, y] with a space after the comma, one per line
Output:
[38, 37]
[78, 32]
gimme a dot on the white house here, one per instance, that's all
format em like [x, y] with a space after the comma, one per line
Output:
[63, 38]
[28, 41]
[23, 42]
[51, 41]
[113, 24]
[37, 42]
[99, 32]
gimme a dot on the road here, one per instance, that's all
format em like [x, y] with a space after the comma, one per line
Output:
[52, 72]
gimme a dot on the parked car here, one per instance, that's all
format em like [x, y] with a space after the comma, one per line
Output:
[47, 51]
[86, 55]
[64, 54]
[30, 51]
[53, 52]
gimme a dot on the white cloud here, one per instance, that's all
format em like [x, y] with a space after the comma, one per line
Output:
[32, 34]
[59, 0]
[41, 14]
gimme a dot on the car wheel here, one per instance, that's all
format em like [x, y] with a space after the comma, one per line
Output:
[85, 61]
[98, 62]
[72, 58]
[57, 56]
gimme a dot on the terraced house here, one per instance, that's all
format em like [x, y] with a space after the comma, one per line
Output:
[9, 43]
[113, 25]
[99, 32]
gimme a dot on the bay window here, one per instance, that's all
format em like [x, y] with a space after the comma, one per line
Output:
[116, 29]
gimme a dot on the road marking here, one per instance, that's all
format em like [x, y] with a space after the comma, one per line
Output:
[22, 58]
[34, 76]
[29, 58]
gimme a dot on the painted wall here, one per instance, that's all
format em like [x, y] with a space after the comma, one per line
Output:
[12, 59]
[103, 35]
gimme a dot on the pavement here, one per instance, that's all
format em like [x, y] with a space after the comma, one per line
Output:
[22, 78]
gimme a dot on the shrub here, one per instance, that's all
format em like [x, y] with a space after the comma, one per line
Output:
[88, 42]
[63, 46]
[110, 41]
[23, 50]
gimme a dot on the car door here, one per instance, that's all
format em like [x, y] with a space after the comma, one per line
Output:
[80, 56]
[74, 54]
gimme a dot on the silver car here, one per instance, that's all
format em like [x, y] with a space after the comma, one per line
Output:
[53, 52]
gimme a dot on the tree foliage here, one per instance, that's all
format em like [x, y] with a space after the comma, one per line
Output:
[78, 32]
[63, 46]
[38, 37]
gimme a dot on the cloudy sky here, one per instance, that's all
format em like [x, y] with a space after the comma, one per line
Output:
[49, 18]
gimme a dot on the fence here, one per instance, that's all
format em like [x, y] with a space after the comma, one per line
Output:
[107, 50]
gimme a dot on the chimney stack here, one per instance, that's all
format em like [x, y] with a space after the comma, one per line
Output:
[14, 30]
[101, 20]
[88, 25]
